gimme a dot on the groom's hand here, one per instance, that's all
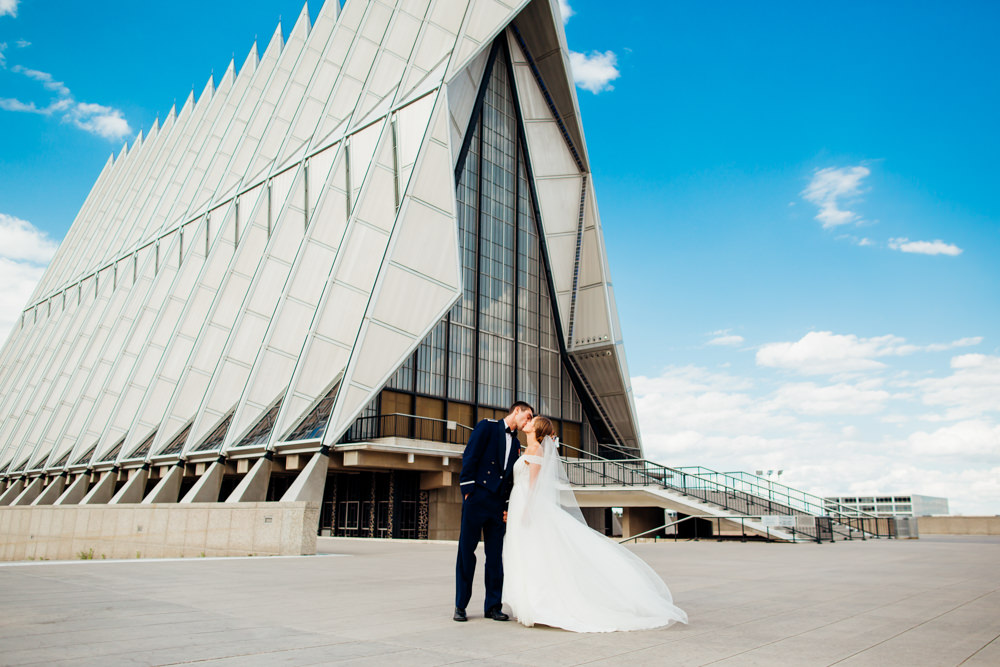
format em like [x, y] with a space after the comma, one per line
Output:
[505, 516]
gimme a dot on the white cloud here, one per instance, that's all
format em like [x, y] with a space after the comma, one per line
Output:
[9, 104]
[838, 399]
[831, 185]
[594, 71]
[856, 240]
[8, 7]
[565, 10]
[46, 79]
[22, 241]
[689, 399]
[824, 352]
[970, 439]
[100, 120]
[726, 340]
[104, 121]
[24, 253]
[936, 247]
[22, 43]
[829, 438]
[3, 58]
[972, 390]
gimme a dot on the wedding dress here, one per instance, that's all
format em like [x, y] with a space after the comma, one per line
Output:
[559, 572]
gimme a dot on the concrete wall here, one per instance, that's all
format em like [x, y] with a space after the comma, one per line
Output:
[444, 521]
[959, 525]
[64, 532]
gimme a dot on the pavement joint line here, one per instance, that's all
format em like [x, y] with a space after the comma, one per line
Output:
[706, 632]
[94, 561]
[296, 648]
[924, 622]
[242, 655]
[979, 650]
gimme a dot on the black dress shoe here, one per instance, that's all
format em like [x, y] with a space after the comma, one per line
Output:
[497, 614]
[460, 615]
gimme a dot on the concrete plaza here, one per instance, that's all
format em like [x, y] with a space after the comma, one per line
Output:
[934, 601]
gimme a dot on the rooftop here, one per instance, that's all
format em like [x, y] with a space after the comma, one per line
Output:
[933, 601]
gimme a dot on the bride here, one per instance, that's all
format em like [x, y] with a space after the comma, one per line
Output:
[559, 572]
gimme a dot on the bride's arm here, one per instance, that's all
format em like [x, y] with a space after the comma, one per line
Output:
[533, 457]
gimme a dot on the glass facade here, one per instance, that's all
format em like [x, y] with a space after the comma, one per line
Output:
[500, 341]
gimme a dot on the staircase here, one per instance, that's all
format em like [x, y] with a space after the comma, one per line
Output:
[740, 497]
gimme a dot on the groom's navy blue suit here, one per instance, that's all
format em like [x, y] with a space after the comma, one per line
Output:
[487, 476]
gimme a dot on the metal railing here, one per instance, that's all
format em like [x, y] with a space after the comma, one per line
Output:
[406, 426]
[640, 472]
[799, 502]
[766, 488]
[676, 534]
[730, 492]
[741, 493]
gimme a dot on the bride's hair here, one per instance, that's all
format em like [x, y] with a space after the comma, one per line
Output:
[543, 427]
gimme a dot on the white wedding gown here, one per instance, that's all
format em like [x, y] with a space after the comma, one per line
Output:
[559, 572]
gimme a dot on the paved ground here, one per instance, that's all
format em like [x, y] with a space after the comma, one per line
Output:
[931, 602]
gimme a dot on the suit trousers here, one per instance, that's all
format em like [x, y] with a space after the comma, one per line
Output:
[482, 514]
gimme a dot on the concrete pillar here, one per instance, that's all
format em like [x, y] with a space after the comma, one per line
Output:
[102, 491]
[636, 520]
[134, 489]
[206, 489]
[30, 492]
[51, 492]
[168, 488]
[311, 482]
[75, 492]
[13, 491]
[253, 487]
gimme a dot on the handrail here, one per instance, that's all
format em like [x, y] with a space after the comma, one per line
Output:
[642, 472]
[718, 519]
[407, 426]
[815, 500]
[735, 493]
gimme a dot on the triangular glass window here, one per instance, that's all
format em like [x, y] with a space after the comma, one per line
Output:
[259, 434]
[177, 444]
[113, 454]
[86, 457]
[143, 449]
[215, 439]
[314, 425]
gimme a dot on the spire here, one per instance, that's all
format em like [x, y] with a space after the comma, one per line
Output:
[277, 41]
[188, 103]
[253, 58]
[331, 8]
[229, 76]
[302, 22]
[208, 89]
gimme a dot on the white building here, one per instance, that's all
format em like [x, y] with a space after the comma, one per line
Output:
[311, 281]
[891, 505]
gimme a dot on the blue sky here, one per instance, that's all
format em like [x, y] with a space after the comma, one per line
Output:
[798, 202]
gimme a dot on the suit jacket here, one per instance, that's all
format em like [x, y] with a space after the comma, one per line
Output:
[483, 463]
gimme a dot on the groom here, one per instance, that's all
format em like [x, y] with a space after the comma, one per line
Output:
[486, 481]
